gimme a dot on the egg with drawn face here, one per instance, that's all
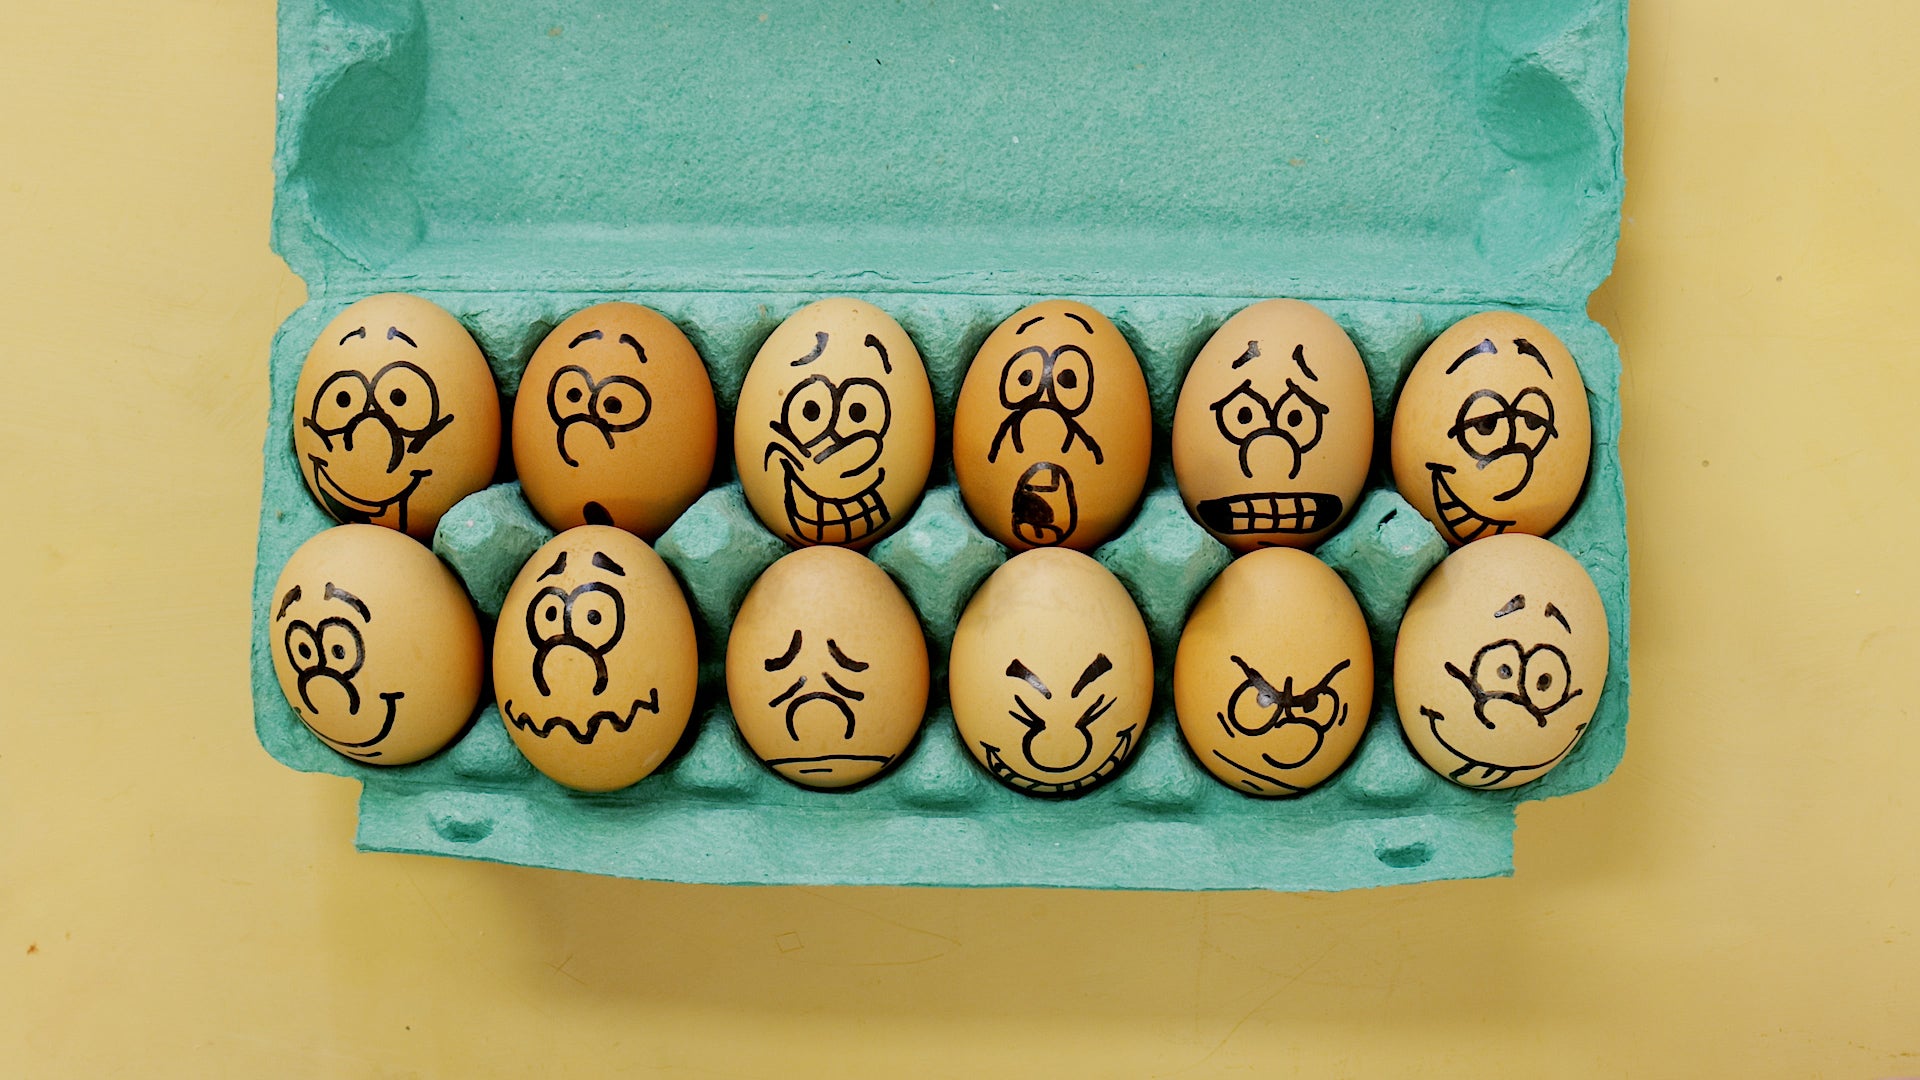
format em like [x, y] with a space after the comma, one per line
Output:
[614, 422]
[833, 435]
[1273, 433]
[594, 661]
[395, 417]
[1500, 660]
[1273, 683]
[375, 645]
[1492, 433]
[827, 668]
[1051, 674]
[1052, 430]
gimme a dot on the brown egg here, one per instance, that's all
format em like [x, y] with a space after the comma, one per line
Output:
[1491, 433]
[614, 422]
[1500, 661]
[1052, 431]
[1274, 431]
[1274, 679]
[833, 435]
[594, 660]
[1051, 674]
[827, 668]
[375, 644]
[396, 416]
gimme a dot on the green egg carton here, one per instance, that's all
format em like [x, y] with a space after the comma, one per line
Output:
[1168, 162]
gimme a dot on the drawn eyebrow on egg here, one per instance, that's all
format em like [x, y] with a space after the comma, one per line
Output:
[1526, 349]
[1084, 324]
[843, 659]
[287, 602]
[1023, 326]
[819, 346]
[1100, 666]
[1021, 671]
[360, 333]
[1252, 354]
[611, 567]
[1300, 358]
[335, 592]
[394, 332]
[559, 564]
[1485, 346]
[633, 343]
[873, 343]
[785, 659]
[590, 335]
[1518, 603]
[1552, 612]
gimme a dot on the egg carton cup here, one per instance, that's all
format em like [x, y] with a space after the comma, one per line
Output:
[373, 97]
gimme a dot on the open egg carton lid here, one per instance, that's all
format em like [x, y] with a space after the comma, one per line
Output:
[1399, 165]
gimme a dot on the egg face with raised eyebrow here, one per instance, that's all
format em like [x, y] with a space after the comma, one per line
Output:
[396, 416]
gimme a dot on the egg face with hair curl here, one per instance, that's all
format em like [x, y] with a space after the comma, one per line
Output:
[833, 436]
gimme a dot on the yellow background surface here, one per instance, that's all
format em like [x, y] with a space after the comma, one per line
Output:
[1740, 899]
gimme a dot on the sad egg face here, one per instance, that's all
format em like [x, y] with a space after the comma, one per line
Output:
[395, 416]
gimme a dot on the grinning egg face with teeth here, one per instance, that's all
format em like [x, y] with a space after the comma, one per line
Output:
[833, 435]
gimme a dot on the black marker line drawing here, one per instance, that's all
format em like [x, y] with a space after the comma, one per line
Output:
[837, 695]
[590, 619]
[1245, 416]
[1536, 681]
[1044, 511]
[402, 402]
[333, 650]
[1035, 724]
[1270, 512]
[1557, 615]
[844, 423]
[1462, 522]
[1489, 428]
[609, 406]
[1037, 379]
[1518, 603]
[1527, 349]
[1257, 707]
[1490, 774]
[523, 720]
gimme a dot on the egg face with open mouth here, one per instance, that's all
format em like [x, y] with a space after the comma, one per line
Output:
[833, 435]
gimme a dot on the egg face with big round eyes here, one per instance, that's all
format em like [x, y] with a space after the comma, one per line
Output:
[1491, 433]
[1500, 660]
[827, 668]
[1273, 434]
[833, 436]
[375, 645]
[1051, 675]
[1273, 682]
[594, 660]
[396, 416]
[1053, 429]
[614, 423]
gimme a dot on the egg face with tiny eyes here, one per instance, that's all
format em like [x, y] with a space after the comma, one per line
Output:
[1492, 433]
[396, 416]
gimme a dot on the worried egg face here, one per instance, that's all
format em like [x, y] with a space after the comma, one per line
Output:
[594, 660]
[1274, 679]
[614, 422]
[395, 417]
[375, 645]
[1052, 431]
[833, 435]
[1051, 675]
[1492, 433]
[1274, 430]
[1500, 661]
[827, 668]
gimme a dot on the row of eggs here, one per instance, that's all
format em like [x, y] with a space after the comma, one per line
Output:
[1498, 665]
[396, 418]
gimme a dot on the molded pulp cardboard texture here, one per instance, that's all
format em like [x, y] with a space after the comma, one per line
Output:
[1401, 165]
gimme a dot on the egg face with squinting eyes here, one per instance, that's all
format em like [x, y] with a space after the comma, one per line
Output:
[833, 435]
[1051, 675]
[1273, 434]
[396, 416]
[375, 644]
[1053, 429]
[1500, 660]
[1273, 682]
[594, 661]
[614, 422]
[827, 668]
[1492, 433]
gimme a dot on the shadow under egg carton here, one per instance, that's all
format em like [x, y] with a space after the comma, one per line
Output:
[712, 813]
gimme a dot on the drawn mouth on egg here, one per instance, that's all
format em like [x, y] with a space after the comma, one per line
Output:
[821, 519]
[540, 729]
[1271, 512]
[827, 764]
[1461, 521]
[1006, 774]
[348, 507]
[357, 749]
[1494, 774]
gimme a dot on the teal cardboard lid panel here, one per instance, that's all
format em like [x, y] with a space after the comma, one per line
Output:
[1401, 165]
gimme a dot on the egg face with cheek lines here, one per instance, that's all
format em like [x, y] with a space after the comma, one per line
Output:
[1492, 433]
[833, 435]
[614, 423]
[827, 668]
[1273, 434]
[375, 644]
[1053, 430]
[396, 416]
[594, 659]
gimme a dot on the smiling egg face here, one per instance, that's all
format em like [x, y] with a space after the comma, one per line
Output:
[1274, 430]
[833, 435]
[1051, 674]
[594, 660]
[396, 416]
[614, 423]
[1053, 429]
[1492, 433]
[827, 668]
[1500, 660]
[375, 645]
